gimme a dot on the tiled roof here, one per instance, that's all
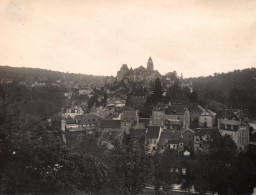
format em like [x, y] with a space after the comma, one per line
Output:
[167, 136]
[110, 124]
[176, 109]
[90, 117]
[174, 141]
[153, 132]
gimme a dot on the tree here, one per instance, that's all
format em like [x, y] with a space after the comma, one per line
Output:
[158, 91]
[132, 166]
[223, 148]
[193, 97]
[175, 92]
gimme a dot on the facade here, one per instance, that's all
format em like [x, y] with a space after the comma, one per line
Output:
[89, 122]
[128, 120]
[188, 139]
[175, 112]
[172, 124]
[206, 118]
[158, 116]
[73, 111]
[236, 130]
[170, 139]
[153, 134]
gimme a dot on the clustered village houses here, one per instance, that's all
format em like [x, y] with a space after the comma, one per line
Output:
[120, 106]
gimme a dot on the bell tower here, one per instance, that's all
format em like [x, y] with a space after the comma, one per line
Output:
[150, 65]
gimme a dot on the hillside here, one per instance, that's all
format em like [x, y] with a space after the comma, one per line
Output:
[235, 89]
[40, 75]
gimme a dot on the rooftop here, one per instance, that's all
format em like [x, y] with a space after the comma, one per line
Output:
[167, 136]
[176, 109]
[110, 124]
[153, 132]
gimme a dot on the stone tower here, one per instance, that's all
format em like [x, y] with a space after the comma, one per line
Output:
[150, 65]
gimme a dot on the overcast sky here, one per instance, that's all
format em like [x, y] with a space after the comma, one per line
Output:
[193, 37]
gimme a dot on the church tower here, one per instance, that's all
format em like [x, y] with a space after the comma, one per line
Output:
[150, 65]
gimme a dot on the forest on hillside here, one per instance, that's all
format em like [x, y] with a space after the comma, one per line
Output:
[235, 89]
[39, 75]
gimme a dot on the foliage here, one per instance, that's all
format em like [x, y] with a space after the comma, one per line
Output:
[158, 91]
[131, 166]
[236, 89]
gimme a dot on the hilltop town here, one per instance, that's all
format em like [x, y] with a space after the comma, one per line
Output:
[142, 102]
[140, 132]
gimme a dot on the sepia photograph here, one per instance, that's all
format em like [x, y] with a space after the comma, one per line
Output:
[154, 97]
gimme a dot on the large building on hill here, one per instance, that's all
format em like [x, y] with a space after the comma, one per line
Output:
[150, 65]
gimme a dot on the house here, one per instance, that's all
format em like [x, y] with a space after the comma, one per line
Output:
[153, 134]
[188, 139]
[172, 124]
[128, 119]
[89, 122]
[238, 131]
[230, 124]
[202, 137]
[206, 117]
[175, 112]
[73, 111]
[194, 115]
[158, 115]
[170, 139]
